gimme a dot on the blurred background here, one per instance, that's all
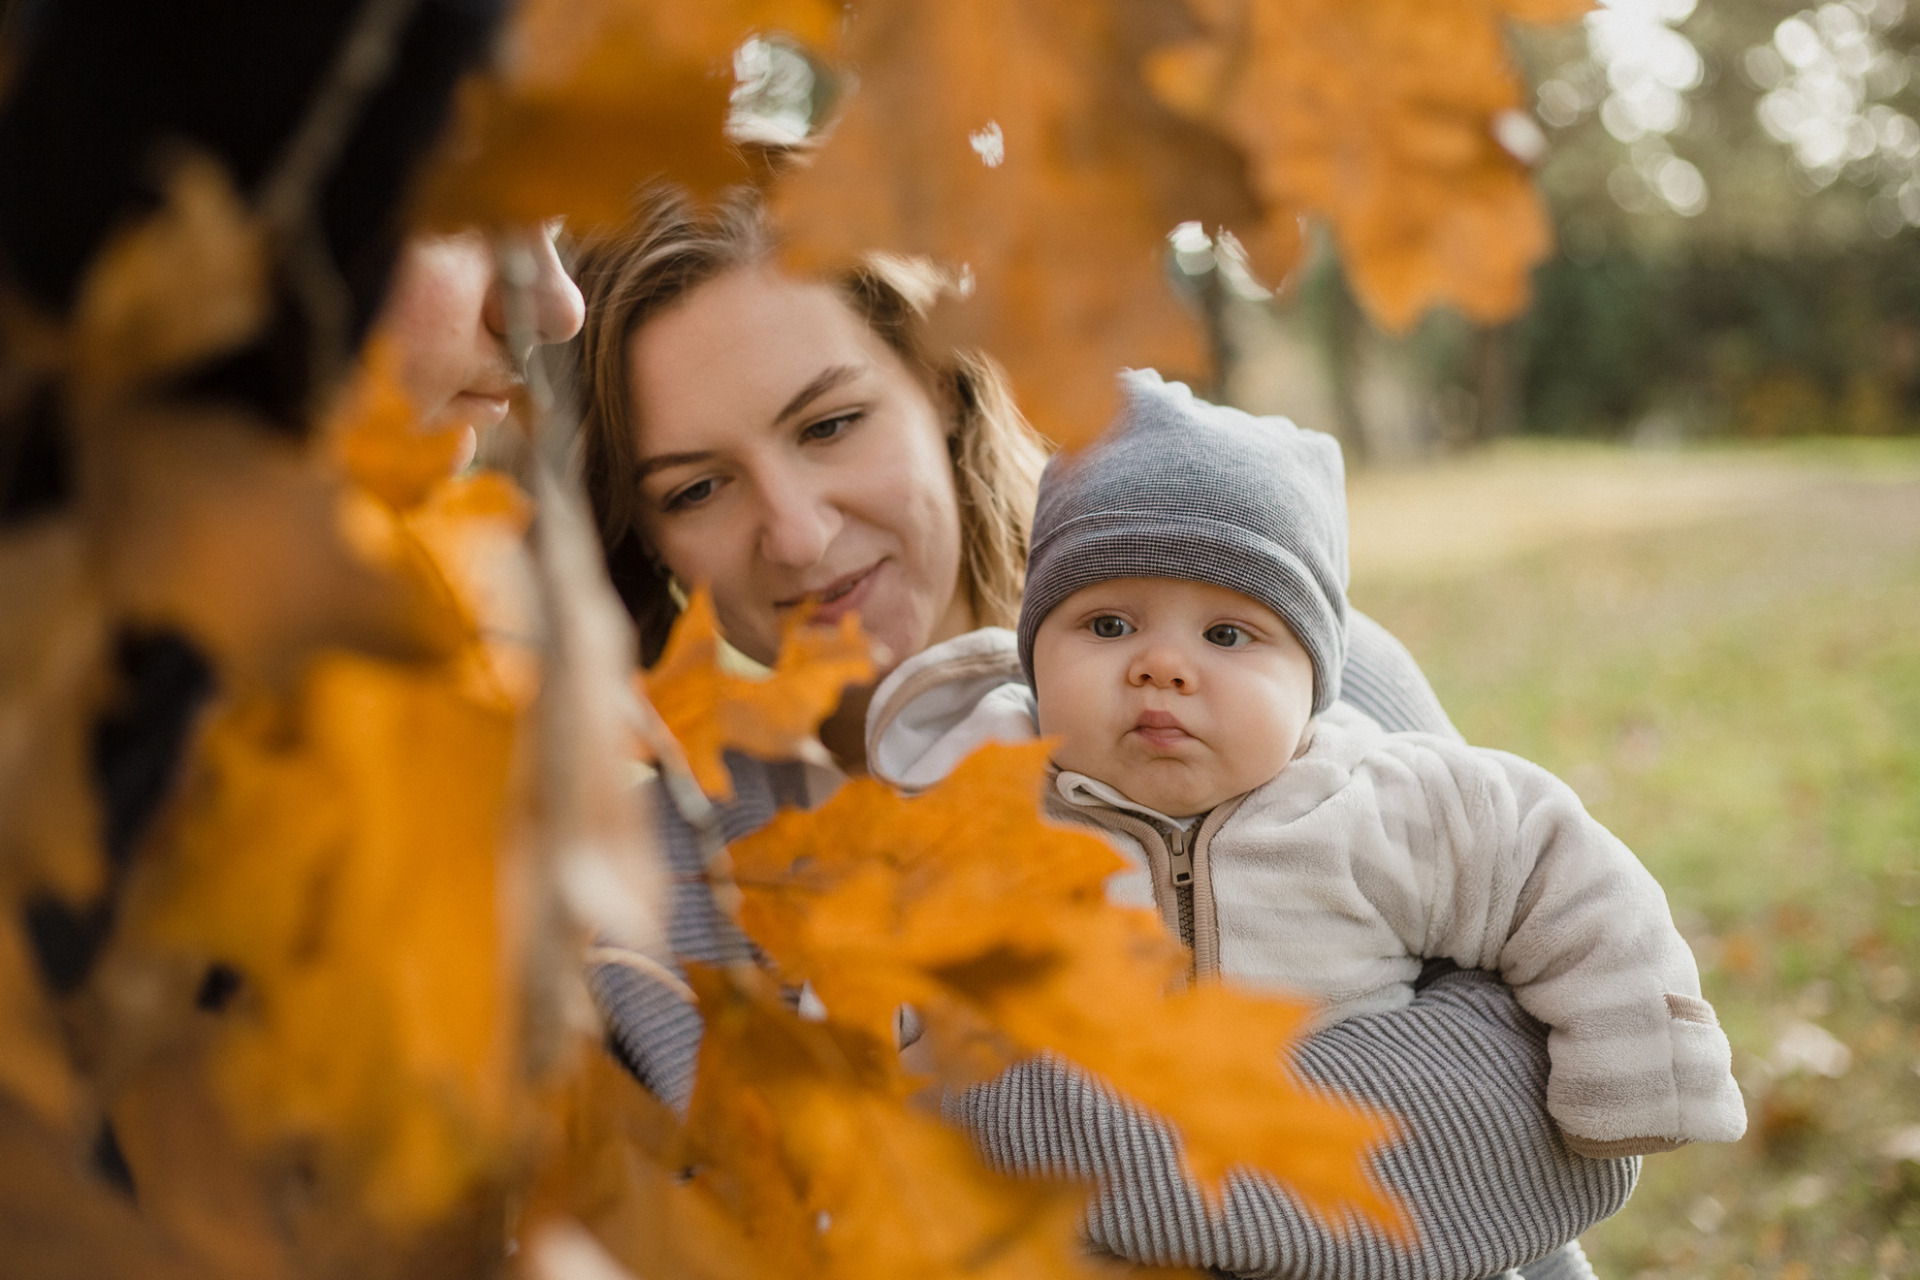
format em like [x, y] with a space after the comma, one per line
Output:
[1734, 185]
[1662, 534]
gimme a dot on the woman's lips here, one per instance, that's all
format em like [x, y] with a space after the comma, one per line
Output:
[481, 410]
[840, 597]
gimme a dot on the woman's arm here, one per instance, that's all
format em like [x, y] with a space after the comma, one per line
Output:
[1382, 679]
[1482, 1168]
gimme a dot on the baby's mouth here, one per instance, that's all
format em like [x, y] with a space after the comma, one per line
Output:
[1160, 728]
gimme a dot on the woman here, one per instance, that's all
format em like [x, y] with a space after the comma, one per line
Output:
[787, 442]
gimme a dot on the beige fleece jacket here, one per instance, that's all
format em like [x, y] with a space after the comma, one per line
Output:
[1369, 853]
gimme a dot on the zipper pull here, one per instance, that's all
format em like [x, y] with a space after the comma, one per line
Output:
[1181, 858]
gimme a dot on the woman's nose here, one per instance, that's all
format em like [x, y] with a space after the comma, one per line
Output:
[558, 308]
[796, 527]
[1162, 666]
[555, 309]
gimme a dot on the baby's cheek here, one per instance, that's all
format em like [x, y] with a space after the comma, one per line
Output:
[1061, 718]
[1262, 741]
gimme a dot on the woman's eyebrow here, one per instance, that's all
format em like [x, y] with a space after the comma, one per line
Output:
[661, 461]
[825, 381]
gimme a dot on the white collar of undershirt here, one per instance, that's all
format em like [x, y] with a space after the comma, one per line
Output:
[1079, 789]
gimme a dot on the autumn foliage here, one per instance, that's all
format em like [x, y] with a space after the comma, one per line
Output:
[1053, 147]
[338, 1025]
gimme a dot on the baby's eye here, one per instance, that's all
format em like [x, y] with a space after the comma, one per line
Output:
[1108, 627]
[1226, 635]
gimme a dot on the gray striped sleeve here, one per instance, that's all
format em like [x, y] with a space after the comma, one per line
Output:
[1485, 1172]
[1382, 679]
[1483, 1168]
[650, 1026]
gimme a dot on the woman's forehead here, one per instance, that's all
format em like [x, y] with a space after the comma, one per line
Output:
[735, 352]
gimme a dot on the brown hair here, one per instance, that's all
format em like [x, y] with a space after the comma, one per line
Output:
[671, 247]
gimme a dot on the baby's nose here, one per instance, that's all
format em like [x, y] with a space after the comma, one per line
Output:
[1162, 667]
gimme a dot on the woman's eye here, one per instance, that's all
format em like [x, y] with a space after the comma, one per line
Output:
[1108, 627]
[1226, 635]
[691, 496]
[828, 428]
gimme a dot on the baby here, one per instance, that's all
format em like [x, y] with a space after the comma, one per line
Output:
[1183, 634]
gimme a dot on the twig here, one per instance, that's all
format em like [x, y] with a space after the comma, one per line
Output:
[286, 200]
[551, 429]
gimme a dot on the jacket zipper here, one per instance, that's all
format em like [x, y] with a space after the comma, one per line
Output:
[1180, 868]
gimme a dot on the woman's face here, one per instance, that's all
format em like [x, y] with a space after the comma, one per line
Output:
[446, 316]
[787, 454]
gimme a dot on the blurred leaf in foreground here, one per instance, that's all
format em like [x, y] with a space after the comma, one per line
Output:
[1380, 118]
[994, 925]
[803, 1131]
[1039, 165]
[338, 849]
[186, 284]
[595, 98]
[708, 709]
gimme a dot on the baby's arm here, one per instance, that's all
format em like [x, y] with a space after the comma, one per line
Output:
[1580, 929]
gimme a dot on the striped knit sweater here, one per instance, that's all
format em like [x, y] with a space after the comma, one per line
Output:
[1483, 1168]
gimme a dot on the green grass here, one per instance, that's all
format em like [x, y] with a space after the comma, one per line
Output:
[1740, 701]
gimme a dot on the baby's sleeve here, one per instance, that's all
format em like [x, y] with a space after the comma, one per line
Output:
[1639, 1062]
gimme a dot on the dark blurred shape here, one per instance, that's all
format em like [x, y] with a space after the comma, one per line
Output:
[65, 940]
[1747, 344]
[137, 747]
[218, 988]
[111, 1162]
[36, 460]
[136, 744]
[99, 85]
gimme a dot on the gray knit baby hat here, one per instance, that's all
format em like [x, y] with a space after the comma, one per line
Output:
[1179, 488]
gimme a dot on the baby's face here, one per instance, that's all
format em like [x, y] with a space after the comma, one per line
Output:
[1180, 694]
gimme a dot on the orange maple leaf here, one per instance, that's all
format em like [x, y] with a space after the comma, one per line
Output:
[596, 98]
[341, 850]
[805, 1132]
[994, 925]
[1379, 118]
[378, 440]
[1009, 138]
[183, 285]
[708, 709]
